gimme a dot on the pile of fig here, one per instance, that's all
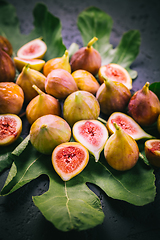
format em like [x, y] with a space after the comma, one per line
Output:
[63, 99]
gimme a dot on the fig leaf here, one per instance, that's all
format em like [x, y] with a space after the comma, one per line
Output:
[94, 22]
[61, 203]
[46, 26]
[155, 87]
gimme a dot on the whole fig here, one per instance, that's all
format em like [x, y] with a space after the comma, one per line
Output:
[6, 46]
[144, 106]
[11, 98]
[29, 77]
[7, 67]
[41, 105]
[86, 58]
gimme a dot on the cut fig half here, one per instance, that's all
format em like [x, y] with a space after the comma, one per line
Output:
[33, 49]
[92, 134]
[69, 159]
[128, 124]
[152, 151]
[10, 128]
[36, 64]
[115, 72]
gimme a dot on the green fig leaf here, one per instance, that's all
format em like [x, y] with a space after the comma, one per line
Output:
[95, 23]
[46, 26]
[155, 87]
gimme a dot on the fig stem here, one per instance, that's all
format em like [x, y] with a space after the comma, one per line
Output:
[37, 90]
[92, 41]
[102, 120]
[116, 126]
[145, 88]
[66, 54]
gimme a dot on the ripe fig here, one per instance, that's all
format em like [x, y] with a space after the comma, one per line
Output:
[41, 105]
[33, 50]
[6, 46]
[121, 150]
[144, 106]
[59, 62]
[158, 123]
[36, 64]
[80, 105]
[10, 128]
[85, 81]
[113, 96]
[69, 159]
[86, 58]
[7, 67]
[27, 78]
[11, 98]
[152, 151]
[49, 131]
[92, 134]
[128, 124]
[60, 83]
[115, 72]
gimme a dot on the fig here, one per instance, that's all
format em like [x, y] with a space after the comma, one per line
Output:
[10, 128]
[121, 150]
[115, 72]
[144, 106]
[7, 67]
[59, 62]
[41, 105]
[36, 64]
[112, 96]
[92, 134]
[29, 77]
[60, 83]
[49, 131]
[85, 81]
[86, 58]
[6, 46]
[33, 49]
[158, 123]
[152, 151]
[80, 105]
[11, 98]
[69, 159]
[128, 124]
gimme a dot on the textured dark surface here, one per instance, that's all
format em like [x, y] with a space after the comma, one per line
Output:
[19, 217]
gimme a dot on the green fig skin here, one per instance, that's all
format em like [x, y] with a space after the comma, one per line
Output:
[144, 106]
[80, 105]
[121, 150]
[113, 96]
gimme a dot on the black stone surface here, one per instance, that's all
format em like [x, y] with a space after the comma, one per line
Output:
[19, 217]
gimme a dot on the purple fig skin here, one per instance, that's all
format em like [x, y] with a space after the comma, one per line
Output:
[7, 67]
[144, 106]
[6, 46]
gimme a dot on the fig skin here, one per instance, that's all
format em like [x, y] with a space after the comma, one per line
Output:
[86, 58]
[158, 123]
[144, 106]
[59, 62]
[80, 105]
[41, 105]
[60, 83]
[85, 81]
[36, 64]
[11, 98]
[29, 77]
[6, 46]
[121, 150]
[7, 67]
[49, 131]
[10, 128]
[152, 151]
[113, 96]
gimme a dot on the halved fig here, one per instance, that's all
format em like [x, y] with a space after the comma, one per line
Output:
[33, 49]
[36, 64]
[69, 159]
[92, 134]
[49, 131]
[152, 151]
[115, 72]
[10, 128]
[128, 124]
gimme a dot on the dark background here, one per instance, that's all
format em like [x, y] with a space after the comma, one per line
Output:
[19, 217]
